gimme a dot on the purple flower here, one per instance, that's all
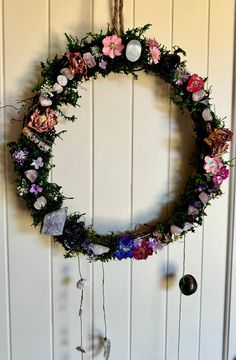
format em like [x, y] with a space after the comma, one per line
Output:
[35, 189]
[20, 155]
[102, 64]
[197, 204]
[181, 75]
[37, 163]
[125, 248]
[201, 187]
[155, 244]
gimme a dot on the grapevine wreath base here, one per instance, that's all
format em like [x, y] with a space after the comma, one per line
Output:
[102, 54]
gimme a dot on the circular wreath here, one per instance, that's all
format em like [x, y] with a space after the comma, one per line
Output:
[101, 54]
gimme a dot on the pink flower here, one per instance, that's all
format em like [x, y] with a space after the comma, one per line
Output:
[89, 60]
[43, 122]
[212, 165]
[152, 43]
[195, 83]
[112, 46]
[155, 55]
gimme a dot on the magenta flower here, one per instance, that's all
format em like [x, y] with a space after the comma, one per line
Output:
[35, 189]
[224, 172]
[155, 55]
[112, 46]
[217, 180]
[212, 165]
[221, 176]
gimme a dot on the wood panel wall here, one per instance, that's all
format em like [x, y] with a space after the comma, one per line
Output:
[123, 161]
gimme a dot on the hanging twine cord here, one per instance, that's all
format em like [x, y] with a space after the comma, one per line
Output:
[104, 302]
[81, 310]
[117, 17]
[180, 300]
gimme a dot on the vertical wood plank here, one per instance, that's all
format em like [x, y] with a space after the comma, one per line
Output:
[74, 18]
[184, 312]
[150, 189]
[232, 328]
[215, 237]
[30, 304]
[230, 319]
[143, 316]
[112, 161]
[5, 341]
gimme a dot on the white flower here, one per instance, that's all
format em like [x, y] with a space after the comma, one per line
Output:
[23, 188]
[46, 90]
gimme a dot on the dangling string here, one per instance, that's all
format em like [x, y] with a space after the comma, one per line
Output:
[107, 342]
[80, 348]
[117, 17]
[180, 300]
[103, 301]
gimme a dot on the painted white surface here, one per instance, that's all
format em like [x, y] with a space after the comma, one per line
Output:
[126, 156]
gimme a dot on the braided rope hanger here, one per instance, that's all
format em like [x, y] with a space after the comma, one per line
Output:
[117, 17]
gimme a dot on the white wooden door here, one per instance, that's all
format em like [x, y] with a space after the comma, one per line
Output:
[122, 161]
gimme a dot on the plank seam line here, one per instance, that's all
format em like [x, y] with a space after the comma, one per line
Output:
[5, 193]
[231, 213]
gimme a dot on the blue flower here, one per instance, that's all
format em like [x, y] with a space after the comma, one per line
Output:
[125, 248]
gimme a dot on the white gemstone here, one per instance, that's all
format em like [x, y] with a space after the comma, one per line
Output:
[99, 249]
[62, 80]
[45, 101]
[68, 73]
[57, 88]
[40, 203]
[53, 222]
[133, 50]
[82, 283]
[175, 229]
[192, 210]
[206, 114]
[199, 95]
[187, 226]
[31, 175]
